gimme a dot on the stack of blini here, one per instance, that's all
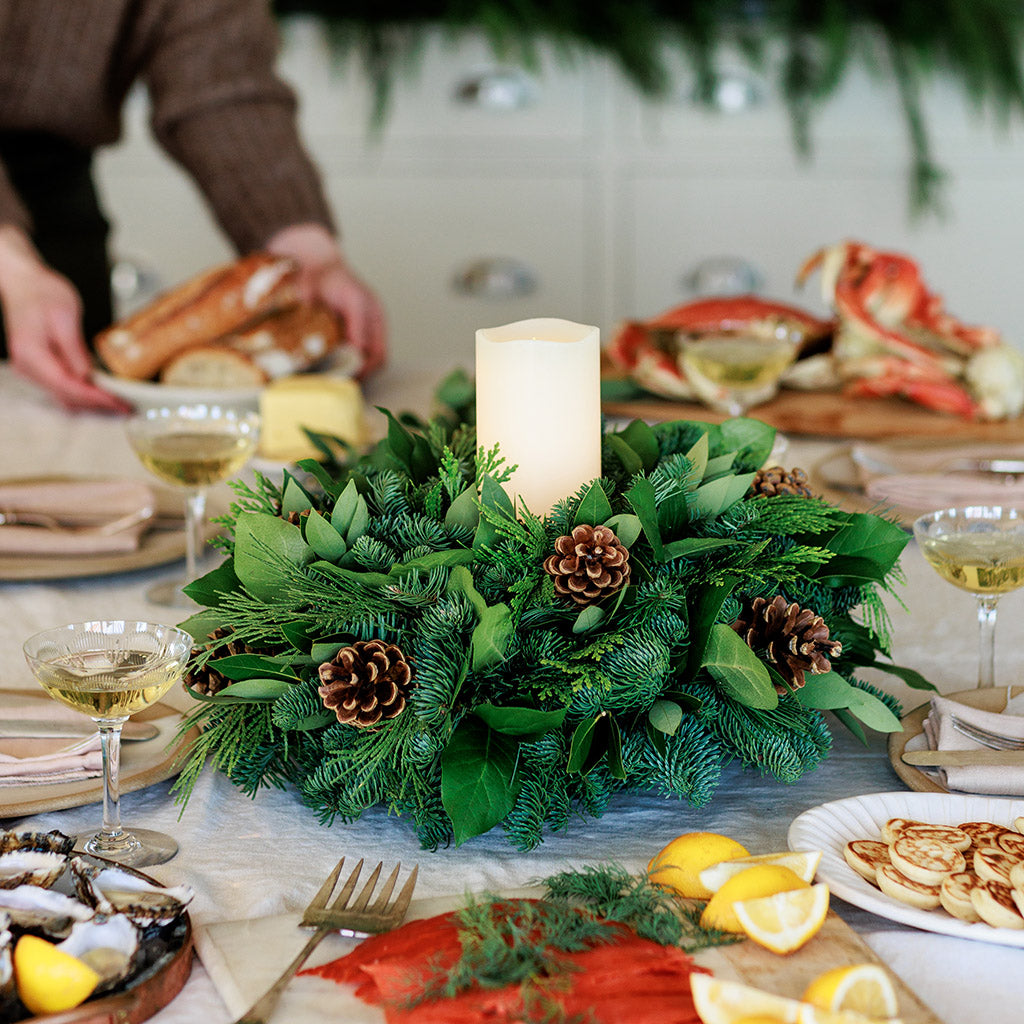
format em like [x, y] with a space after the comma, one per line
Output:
[242, 324]
[974, 870]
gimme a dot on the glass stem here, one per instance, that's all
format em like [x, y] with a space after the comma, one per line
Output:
[987, 640]
[112, 837]
[195, 522]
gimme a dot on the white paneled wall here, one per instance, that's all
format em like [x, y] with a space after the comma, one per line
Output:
[492, 194]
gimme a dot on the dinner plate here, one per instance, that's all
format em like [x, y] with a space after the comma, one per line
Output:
[142, 764]
[829, 827]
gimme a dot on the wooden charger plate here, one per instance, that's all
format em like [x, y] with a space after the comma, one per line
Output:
[142, 765]
[988, 699]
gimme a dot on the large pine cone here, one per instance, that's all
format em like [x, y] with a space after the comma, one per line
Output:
[775, 480]
[794, 639]
[589, 564]
[208, 680]
[366, 683]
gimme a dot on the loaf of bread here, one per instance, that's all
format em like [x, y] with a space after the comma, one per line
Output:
[225, 300]
[212, 366]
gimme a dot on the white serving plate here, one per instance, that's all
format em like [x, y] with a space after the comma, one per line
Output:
[829, 827]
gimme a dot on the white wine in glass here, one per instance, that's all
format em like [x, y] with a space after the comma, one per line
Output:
[735, 372]
[109, 670]
[192, 447]
[979, 549]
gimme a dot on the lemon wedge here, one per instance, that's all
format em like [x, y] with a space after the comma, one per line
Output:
[679, 864]
[50, 980]
[801, 862]
[754, 883]
[861, 988]
[784, 921]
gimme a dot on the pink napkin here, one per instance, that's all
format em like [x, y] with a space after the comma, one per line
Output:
[27, 761]
[940, 734]
[79, 517]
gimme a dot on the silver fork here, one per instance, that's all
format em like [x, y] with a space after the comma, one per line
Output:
[358, 919]
[986, 737]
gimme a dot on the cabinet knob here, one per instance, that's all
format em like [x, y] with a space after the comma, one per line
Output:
[500, 89]
[722, 275]
[494, 278]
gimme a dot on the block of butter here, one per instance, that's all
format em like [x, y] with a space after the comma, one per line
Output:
[317, 402]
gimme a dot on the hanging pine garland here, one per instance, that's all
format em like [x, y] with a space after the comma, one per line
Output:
[977, 44]
[396, 634]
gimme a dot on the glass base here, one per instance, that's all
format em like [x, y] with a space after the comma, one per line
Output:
[168, 594]
[140, 848]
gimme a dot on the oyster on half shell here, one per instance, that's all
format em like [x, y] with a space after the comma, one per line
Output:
[41, 842]
[43, 910]
[119, 890]
[107, 945]
[8, 991]
[31, 867]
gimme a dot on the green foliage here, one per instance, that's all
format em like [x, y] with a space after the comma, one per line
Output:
[525, 710]
[806, 48]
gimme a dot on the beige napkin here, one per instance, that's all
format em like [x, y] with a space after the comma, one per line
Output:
[28, 761]
[928, 478]
[940, 734]
[91, 516]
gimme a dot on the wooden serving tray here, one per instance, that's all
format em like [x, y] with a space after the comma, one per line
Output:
[827, 414]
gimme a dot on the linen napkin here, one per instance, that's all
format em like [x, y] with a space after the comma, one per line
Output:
[77, 517]
[36, 761]
[940, 735]
[929, 478]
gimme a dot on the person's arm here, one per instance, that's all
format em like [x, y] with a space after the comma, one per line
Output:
[43, 322]
[220, 110]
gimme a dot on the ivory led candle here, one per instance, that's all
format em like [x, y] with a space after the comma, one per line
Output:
[538, 397]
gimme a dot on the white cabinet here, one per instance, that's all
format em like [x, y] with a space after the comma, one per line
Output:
[492, 193]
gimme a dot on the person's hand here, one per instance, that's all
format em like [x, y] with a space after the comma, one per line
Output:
[325, 275]
[42, 319]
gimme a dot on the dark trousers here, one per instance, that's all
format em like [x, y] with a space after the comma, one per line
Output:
[53, 178]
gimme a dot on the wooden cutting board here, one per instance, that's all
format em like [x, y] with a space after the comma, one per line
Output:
[836, 945]
[826, 414]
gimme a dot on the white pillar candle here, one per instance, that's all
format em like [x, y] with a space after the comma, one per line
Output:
[538, 397]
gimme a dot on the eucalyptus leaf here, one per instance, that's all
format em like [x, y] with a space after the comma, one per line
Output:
[626, 527]
[719, 465]
[826, 691]
[478, 778]
[738, 670]
[698, 457]
[317, 720]
[295, 497]
[323, 538]
[360, 521]
[325, 650]
[345, 508]
[873, 712]
[451, 557]
[519, 721]
[262, 542]
[464, 510]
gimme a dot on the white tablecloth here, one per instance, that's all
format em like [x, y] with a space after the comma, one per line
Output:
[252, 858]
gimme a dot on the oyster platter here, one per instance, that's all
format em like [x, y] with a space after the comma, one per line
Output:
[132, 932]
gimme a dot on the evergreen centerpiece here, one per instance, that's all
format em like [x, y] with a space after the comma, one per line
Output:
[391, 630]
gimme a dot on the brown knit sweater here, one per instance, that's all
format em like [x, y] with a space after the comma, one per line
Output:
[217, 107]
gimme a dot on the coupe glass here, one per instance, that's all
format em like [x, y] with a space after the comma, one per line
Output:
[979, 549]
[108, 670]
[734, 372]
[192, 446]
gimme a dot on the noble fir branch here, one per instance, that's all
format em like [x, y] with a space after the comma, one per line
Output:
[686, 765]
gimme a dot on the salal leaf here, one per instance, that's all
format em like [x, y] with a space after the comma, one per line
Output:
[851, 723]
[211, 588]
[703, 613]
[252, 666]
[751, 440]
[464, 510]
[631, 462]
[666, 716]
[323, 538]
[710, 500]
[345, 508]
[432, 560]
[295, 497]
[642, 498]
[626, 527]
[698, 458]
[868, 546]
[590, 618]
[691, 547]
[491, 636]
[642, 440]
[595, 507]
[738, 670]
[262, 542]
[910, 676]
[519, 721]
[478, 778]
[201, 625]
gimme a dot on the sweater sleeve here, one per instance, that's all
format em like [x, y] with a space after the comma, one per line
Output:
[220, 111]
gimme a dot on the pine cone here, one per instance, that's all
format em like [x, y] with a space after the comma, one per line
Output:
[366, 682]
[590, 564]
[794, 639]
[208, 680]
[775, 480]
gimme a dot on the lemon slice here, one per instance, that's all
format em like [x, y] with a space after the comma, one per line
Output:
[50, 980]
[679, 864]
[861, 988]
[803, 863]
[718, 1001]
[752, 884]
[784, 921]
